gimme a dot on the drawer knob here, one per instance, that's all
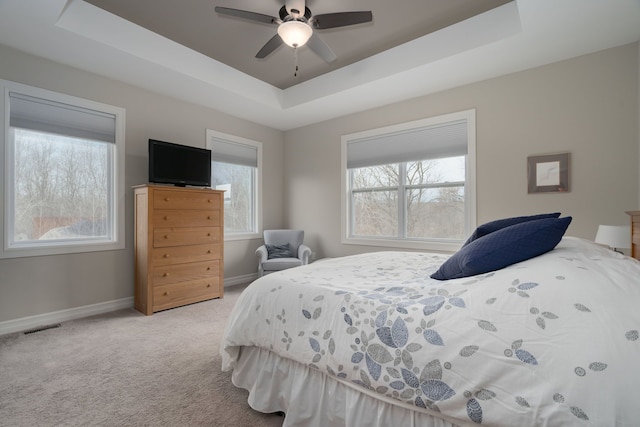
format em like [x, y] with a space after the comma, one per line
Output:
[166, 218]
[166, 199]
[166, 236]
[209, 217]
[209, 201]
[165, 275]
[166, 293]
[208, 234]
[208, 268]
[165, 256]
[209, 251]
[208, 285]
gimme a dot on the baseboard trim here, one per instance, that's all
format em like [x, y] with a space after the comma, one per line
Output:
[240, 280]
[25, 323]
[29, 322]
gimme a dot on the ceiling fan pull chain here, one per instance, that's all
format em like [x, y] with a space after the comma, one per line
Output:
[295, 61]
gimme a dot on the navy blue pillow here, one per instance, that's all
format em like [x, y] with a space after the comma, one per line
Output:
[504, 247]
[278, 251]
[499, 224]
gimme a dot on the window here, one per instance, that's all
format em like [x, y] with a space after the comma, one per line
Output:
[236, 169]
[64, 181]
[411, 185]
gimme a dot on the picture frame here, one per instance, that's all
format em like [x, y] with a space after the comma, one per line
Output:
[548, 173]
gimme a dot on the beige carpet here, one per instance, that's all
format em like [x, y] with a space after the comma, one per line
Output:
[126, 369]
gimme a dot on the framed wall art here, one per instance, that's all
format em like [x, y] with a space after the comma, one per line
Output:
[548, 173]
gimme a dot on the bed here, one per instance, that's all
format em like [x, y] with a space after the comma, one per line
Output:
[373, 340]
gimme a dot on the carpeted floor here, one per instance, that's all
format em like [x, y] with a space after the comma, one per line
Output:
[126, 369]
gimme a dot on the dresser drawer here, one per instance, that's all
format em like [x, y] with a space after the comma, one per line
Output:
[163, 237]
[186, 218]
[171, 199]
[185, 254]
[177, 294]
[184, 272]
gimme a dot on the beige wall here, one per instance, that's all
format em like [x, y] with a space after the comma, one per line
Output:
[587, 106]
[36, 285]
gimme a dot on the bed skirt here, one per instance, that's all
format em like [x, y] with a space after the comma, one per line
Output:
[312, 399]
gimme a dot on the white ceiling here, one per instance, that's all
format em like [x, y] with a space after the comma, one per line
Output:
[513, 37]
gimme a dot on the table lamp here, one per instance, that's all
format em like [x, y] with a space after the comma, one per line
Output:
[614, 236]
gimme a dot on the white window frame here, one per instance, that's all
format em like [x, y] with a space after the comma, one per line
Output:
[257, 196]
[447, 245]
[117, 201]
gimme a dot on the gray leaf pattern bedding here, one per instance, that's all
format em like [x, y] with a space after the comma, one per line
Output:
[549, 341]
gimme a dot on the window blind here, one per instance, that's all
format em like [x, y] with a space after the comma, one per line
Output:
[432, 142]
[232, 152]
[43, 115]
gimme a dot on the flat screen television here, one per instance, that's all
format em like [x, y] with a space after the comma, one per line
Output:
[179, 165]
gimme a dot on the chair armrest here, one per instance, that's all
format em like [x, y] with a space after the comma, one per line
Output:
[304, 253]
[262, 253]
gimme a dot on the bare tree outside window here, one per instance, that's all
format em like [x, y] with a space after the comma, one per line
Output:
[375, 200]
[435, 198]
[237, 181]
[62, 187]
[414, 200]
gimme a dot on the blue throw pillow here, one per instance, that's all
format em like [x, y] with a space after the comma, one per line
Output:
[504, 247]
[278, 251]
[499, 224]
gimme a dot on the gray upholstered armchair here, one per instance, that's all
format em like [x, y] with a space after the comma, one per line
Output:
[282, 249]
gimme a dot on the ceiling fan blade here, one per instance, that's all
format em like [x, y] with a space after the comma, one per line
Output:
[269, 47]
[316, 44]
[252, 16]
[340, 19]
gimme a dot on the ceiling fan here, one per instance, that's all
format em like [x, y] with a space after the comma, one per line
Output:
[296, 25]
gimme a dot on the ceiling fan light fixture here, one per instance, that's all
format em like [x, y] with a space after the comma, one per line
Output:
[295, 33]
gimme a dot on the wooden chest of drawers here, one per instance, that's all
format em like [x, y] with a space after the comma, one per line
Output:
[635, 233]
[178, 246]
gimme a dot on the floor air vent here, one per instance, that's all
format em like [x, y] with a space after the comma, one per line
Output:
[41, 328]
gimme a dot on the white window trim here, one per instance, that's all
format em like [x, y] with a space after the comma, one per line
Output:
[210, 134]
[118, 197]
[470, 184]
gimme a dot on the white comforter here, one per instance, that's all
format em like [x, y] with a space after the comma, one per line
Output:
[552, 341]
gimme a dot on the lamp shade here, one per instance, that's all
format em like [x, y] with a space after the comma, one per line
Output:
[294, 33]
[614, 236]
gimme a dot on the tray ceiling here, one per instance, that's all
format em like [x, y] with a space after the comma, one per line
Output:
[235, 41]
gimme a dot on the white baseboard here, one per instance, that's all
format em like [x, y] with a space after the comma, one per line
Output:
[29, 322]
[25, 323]
[240, 280]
